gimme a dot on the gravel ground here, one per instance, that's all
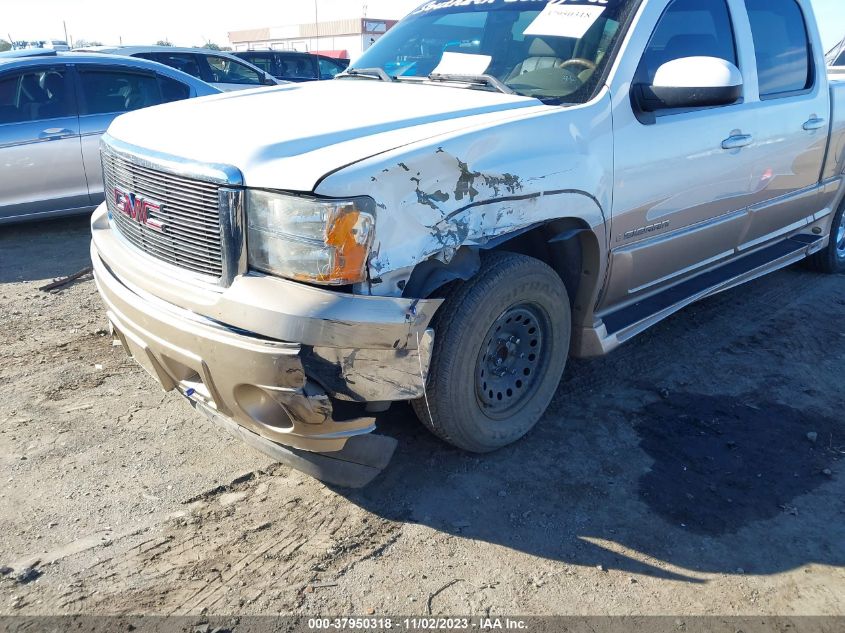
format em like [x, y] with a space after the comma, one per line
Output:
[698, 470]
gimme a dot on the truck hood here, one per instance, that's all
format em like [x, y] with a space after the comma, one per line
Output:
[289, 137]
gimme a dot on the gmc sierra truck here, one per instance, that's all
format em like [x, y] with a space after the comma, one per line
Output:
[494, 187]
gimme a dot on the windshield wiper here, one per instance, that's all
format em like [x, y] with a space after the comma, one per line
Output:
[478, 80]
[366, 73]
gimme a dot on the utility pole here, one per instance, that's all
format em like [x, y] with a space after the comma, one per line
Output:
[316, 25]
[67, 41]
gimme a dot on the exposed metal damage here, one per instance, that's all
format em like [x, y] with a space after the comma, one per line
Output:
[453, 208]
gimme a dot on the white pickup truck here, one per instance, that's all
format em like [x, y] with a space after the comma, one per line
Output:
[494, 187]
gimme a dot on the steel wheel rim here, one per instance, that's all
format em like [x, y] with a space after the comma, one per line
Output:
[510, 364]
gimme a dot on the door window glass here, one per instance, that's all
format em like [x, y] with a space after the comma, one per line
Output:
[186, 62]
[172, 90]
[781, 46]
[264, 61]
[35, 96]
[229, 71]
[329, 69]
[297, 67]
[108, 91]
[689, 28]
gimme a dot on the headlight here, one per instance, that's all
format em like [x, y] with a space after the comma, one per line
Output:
[319, 241]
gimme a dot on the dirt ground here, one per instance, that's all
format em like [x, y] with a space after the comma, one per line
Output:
[698, 470]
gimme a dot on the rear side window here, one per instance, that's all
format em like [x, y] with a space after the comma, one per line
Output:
[261, 60]
[781, 45]
[107, 91]
[186, 62]
[329, 69]
[297, 67]
[35, 96]
[172, 90]
[229, 71]
[689, 28]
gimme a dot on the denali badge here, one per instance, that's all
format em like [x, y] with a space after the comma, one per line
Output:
[138, 209]
[652, 228]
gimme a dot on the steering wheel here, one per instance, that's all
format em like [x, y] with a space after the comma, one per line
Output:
[579, 61]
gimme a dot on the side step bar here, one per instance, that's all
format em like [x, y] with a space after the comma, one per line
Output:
[633, 319]
[362, 459]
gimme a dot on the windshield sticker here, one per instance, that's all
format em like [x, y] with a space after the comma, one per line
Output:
[564, 20]
[463, 64]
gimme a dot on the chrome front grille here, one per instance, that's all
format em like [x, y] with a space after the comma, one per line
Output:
[185, 212]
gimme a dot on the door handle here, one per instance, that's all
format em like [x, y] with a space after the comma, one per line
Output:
[814, 123]
[55, 133]
[737, 141]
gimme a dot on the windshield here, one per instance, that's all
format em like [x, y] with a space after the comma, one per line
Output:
[554, 50]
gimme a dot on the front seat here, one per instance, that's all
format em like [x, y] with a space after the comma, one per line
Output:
[54, 86]
[542, 54]
[33, 97]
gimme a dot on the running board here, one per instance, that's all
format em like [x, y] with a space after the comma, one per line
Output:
[626, 322]
[362, 459]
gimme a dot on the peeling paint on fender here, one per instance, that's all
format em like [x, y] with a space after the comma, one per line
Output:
[481, 183]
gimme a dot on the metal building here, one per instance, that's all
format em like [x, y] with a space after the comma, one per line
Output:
[336, 38]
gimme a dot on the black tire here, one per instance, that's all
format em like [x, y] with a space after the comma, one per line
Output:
[461, 407]
[831, 260]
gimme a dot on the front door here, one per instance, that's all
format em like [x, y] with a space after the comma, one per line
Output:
[105, 93]
[40, 158]
[682, 179]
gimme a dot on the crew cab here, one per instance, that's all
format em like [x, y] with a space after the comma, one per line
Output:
[512, 184]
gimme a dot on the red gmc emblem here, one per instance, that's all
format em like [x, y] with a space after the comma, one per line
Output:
[138, 209]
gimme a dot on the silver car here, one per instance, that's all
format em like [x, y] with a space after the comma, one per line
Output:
[221, 70]
[53, 109]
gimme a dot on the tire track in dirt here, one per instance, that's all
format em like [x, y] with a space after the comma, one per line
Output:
[230, 550]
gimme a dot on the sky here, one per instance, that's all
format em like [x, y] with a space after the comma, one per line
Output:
[194, 22]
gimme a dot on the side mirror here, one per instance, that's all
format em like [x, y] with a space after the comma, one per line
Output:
[692, 82]
[269, 81]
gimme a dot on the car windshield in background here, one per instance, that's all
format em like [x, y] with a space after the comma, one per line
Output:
[555, 51]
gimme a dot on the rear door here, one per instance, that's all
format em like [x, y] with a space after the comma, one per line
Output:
[107, 92]
[40, 161]
[791, 120]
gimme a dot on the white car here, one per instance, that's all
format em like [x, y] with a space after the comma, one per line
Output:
[222, 70]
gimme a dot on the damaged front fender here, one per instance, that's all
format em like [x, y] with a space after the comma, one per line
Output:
[474, 187]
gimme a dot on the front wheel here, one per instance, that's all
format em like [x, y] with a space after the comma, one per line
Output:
[500, 347]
